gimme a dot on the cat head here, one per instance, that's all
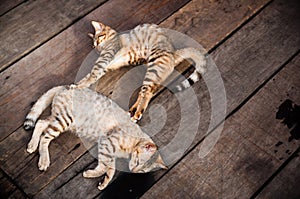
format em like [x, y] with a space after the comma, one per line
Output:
[102, 34]
[145, 158]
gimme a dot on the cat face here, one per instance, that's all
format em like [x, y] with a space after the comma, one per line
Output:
[145, 158]
[102, 34]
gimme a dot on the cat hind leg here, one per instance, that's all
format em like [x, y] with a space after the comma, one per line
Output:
[108, 177]
[157, 73]
[41, 125]
[52, 131]
[137, 109]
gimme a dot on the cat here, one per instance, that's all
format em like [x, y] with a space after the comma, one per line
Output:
[145, 44]
[95, 117]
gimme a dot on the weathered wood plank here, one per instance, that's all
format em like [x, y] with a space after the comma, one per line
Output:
[59, 67]
[248, 151]
[122, 184]
[286, 183]
[8, 189]
[34, 22]
[209, 22]
[7, 5]
[56, 187]
[17, 194]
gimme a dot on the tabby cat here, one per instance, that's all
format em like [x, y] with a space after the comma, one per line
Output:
[145, 44]
[94, 117]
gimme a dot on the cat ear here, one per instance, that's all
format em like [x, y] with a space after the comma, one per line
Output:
[97, 26]
[160, 163]
[91, 35]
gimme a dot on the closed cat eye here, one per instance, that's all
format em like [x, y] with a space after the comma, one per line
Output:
[100, 36]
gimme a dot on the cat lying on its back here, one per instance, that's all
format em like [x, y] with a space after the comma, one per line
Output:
[105, 122]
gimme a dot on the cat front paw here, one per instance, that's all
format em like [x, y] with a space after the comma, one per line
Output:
[44, 163]
[89, 174]
[85, 174]
[102, 186]
[93, 173]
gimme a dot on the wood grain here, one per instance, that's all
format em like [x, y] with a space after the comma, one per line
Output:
[34, 74]
[245, 157]
[33, 23]
[169, 102]
[8, 188]
[285, 184]
[209, 22]
[7, 5]
[56, 187]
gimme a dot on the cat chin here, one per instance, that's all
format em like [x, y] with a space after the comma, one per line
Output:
[136, 170]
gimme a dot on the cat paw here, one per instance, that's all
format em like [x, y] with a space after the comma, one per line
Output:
[102, 186]
[31, 148]
[87, 174]
[133, 120]
[136, 117]
[92, 173]
[43, 164]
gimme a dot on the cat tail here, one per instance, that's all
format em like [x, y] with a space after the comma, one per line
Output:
[40, 105]
[199, 59]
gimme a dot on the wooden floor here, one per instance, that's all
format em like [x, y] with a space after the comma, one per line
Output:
[255, 45]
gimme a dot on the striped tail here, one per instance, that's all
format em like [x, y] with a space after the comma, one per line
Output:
[41, 104]
[199, 60]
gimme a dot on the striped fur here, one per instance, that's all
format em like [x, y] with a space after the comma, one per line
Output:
[96, 118]
[145, 44]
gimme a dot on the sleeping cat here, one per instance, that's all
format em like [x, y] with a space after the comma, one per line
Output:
[145, 44]
[94, 117]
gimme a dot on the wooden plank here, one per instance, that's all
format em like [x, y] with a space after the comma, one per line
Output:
[209, 22]
[7, 5]
[56, 187]
[32, 71]
[286, 183]
[8, 189]
[249, 150]
[34, 22]
[17, 194]
[133, 189]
